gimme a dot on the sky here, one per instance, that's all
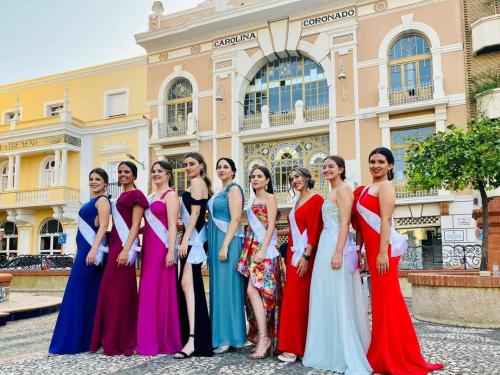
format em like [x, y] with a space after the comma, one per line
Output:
[42, 37]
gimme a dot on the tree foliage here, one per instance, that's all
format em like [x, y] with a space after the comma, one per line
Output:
[457, 159]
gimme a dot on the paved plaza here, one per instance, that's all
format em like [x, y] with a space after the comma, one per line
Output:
[24, 343]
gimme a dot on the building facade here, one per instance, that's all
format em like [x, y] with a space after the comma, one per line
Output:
[285, 83]
[281, 83]
[53, 131]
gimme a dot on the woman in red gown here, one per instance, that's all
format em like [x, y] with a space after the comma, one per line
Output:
[299, 265]
[394, 347]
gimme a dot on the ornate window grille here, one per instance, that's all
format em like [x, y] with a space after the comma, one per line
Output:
[179, 174]
[50, 230]
[179, 105]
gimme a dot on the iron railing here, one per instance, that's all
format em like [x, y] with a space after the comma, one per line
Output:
[38, 263]
[114, 190]
[402, 191]
[411, 93]
[173, 129]
[457, 257]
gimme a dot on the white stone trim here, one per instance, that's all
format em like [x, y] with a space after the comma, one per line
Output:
[448, 48]
[165, 85]
[107, 93]
[457, 99]
[408, 25]
[52, 103]
[11, 110]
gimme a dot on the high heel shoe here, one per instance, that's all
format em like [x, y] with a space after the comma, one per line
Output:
[182, 355]
[265, 353]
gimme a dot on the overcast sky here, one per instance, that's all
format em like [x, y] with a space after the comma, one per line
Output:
[42, 37]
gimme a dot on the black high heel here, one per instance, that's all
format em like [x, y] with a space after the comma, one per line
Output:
[183, 354]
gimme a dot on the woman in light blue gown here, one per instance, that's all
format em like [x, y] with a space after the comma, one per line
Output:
[225, 237]
[338, 333]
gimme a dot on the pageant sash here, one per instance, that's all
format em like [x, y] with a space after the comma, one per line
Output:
[260, 232]
[221, 224]
[158, 226]
[89, 235]
[398, 242]
[196, 239]
[300, 240]
[123, 231]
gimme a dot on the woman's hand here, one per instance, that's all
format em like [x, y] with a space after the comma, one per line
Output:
[90, 257]
[337, 261]
[170, 259]
[183, 250]
[382, 263]
[223, 253]
[302, 266]
[122, 259]
[259, 256]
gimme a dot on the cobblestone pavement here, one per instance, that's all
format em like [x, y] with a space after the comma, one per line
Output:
[23, 348]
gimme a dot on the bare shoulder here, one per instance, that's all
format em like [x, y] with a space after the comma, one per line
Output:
[197, 182]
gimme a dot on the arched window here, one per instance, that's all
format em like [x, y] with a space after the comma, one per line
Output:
[48, 171]
[179, 105]
[410, 69]
[8, 245]
[50, 230]
[4, 173]
[280, 83]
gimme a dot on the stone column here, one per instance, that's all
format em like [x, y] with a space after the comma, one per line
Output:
[17, 170]
[57, 164]
[64, 167]
[10, 173]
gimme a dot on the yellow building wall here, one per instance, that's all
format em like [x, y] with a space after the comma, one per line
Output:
[73, 172]
[30, 171]
[86, 91]
[127, 139]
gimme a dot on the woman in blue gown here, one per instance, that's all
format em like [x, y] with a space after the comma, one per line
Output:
[73, 328]
[225, 238]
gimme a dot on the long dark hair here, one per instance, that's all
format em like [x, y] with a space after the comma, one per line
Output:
[388, 156]
[199, 158]
[305, 174]
[102, 173]
[267, 174]
[230, 162]
[167, 167]
[133, 169]
[339, 160]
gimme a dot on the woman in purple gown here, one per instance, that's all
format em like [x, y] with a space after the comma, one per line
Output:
[158, 326]
[115, 325]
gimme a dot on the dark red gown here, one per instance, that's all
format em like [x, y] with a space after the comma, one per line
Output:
[115, 324]
[394, 347]
[295, 306]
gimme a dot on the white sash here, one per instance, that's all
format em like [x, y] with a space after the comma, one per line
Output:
[196, 239]
[157, 226]
[398, 242]
[222, 225]
[123, 231]
[89, 235]
[260, 232]
[300, 240]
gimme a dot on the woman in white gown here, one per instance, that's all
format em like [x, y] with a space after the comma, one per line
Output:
[338, 334]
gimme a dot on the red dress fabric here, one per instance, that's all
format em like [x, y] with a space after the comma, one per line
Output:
[295, 306]
[394, 347]
[115, 324]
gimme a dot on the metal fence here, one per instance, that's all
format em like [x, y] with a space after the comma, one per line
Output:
[457, 257]
[37, 262]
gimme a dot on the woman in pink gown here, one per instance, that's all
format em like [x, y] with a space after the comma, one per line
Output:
[158, 326]
[115, 324]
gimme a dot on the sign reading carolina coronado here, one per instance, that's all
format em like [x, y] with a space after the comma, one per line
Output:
[330, 17]
[235, 39]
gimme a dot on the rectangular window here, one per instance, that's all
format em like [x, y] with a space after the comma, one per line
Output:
[399, 143]
[7, 117]
[116, 104]
[54, 110]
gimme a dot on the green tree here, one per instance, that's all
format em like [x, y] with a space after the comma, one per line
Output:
[456, 160]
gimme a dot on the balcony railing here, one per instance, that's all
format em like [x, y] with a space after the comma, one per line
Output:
[283, 195]
[114, 190]
[297, 116]
[402, 191]
[39, 197]
[410, 94]
[172, 129]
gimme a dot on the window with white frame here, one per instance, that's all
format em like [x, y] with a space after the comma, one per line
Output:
[114, 188]
[48, 172]
[8, 116]
[8, 245]
[179, 174]
[116, 103]
[4, 175]
[399, 144]
[50, 231]
[54, 110]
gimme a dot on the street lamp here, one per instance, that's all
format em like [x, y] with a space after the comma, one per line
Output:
[132, 157]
